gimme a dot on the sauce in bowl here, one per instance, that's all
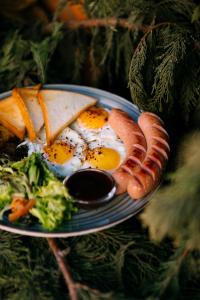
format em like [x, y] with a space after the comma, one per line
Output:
[90, 187]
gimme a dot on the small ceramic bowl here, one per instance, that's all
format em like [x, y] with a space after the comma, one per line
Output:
[90, 187]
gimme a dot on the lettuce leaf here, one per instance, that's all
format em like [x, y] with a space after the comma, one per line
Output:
[5, 194]
[53, 204]
[32, 179]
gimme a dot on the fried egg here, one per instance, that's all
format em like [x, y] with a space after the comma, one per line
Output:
[93, 118]
[106, 154]
[105, 150]
[65, 155]
[92, 124]
[89, 143]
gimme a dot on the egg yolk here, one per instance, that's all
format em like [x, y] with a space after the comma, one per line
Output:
[103, 158]
[59, 152]
[93, 118]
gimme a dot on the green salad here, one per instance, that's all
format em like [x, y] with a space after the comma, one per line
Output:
[29, 188]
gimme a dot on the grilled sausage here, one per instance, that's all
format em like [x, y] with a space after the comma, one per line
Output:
[148, 175]
[135, 144]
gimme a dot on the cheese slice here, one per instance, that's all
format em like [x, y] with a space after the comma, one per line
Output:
[11, 117]
[60, 108]
[30, 98]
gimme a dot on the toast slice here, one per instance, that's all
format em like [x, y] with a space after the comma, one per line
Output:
[30, 98]
[60, 108]
[27, 100]
[5, 135]
[11, 117]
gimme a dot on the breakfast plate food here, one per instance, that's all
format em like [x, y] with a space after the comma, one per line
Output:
[66, 129]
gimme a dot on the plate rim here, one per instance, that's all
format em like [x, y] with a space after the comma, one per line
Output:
[59, 234]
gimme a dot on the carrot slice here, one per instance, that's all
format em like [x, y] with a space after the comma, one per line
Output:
[20, 207]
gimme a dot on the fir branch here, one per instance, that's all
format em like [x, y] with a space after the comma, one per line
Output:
[190, 273]
[101, 8]
[136, 85]
[17, 259]
[174, 277]
[196, 14]
[121, 260]
[167, 284]
[111, 258]
[14, 61]
[124, 51]
[173, 47]
[42, 51]
[109, 44]
[190, 90]
[174, 210]
[137, 82]
[107, 22]
[79, 54]
[179, 9]
[21, 59]
[75, 289]
[138, 11]
[64, 269]
[8, 257]
[113, 23]
[60, 6]
[86, 293]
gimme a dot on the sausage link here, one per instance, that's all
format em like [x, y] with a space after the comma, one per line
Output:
[148, 175]
[134, 142]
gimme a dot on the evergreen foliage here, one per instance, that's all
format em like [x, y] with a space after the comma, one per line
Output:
[155, 42]
[107, 259]
[196, 14]
[174, 210]
[169, 284]
[152, 47]
[41, 56]
[24, 61]
[24, 271]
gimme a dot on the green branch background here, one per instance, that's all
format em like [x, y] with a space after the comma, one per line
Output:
[154, 61]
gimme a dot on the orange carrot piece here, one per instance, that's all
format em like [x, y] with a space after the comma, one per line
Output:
[20, 207]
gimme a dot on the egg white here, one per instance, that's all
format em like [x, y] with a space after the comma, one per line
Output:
[70, 137]
[102, 137]
[81, 139]
[97, 134]
[111, 143]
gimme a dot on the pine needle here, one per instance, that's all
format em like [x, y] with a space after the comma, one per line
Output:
[174, 211]
[173, 47]
[136, 83]
[196, 14]
[167, 283]
[190, 92]
[20, 276]
[42, 51]
[114, 260]
[164, 75]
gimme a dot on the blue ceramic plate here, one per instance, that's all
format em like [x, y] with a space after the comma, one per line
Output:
[116, 211]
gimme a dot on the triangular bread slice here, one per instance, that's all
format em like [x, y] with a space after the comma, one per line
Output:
[30, 98]
[27, 100]
[60, 108]
[11, 117]
[5, 135]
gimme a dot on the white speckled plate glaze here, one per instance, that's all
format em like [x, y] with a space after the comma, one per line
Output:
[119, 209]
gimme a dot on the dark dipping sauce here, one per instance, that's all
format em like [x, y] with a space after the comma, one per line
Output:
[91, 187]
